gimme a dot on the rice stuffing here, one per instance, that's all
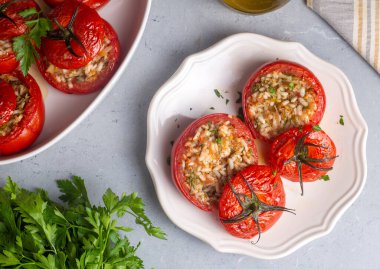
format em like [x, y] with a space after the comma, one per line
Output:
[23, 97]
[214, 154]
[280, 102]
[5, 47]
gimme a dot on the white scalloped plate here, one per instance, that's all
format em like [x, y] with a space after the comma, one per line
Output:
[63, 112]
[226, 66]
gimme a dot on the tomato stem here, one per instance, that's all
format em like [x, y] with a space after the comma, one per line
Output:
[3, 7]
[300, 156]
[252, 207]
[66, 34]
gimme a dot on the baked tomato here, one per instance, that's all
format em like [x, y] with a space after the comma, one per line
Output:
[210, 150]
[76, 37]
[22, 111]
[7, 58]
[303, 154]
[90, 3]
[252, 201]
[281, 95]
[12, 24]
[93, 76]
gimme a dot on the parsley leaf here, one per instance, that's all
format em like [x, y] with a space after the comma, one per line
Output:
[24, 45]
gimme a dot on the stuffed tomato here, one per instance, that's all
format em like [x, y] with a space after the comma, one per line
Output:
[90, 3]
[22, 112]
[252, 201]
[12, 24]
[281, 95]
[210, 150]
[303, 154]
[84, 59]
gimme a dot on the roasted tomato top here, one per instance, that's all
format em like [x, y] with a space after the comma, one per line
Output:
[76, 37]
[7, 58]
[90, 3]
[93, 76]
[210, 150]
[252, 201]
[22, 112]
[303, 154]
[11, 23]
[281, 95]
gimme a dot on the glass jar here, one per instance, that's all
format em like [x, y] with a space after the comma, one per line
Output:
[255, 6]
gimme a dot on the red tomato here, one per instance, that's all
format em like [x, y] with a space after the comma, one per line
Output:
[25, 132]
[252, 201]
[11, 23]
[84, 87]
[8, 101]
[179, 149]
[294, 70]
[90, 3]
[303, 154]
[8, 63]
[78, 40]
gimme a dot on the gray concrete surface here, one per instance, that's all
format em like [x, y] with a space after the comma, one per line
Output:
[108, 148]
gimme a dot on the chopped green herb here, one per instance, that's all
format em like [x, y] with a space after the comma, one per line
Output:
[168, 160]
[219, 141]
[227, 101]
[212, 108]
[24, 45]
[317, 128]
[341, 120]
[255, 87]
[214, 131]
[250, 151]
[274, 172]
[291, 85]
[238, 101]
[325, 178]
[190, 180]
[218, 94]
[272, 91]
[275, 185]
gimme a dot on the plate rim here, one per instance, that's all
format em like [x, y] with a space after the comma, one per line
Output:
[98, 99]
[360, 141]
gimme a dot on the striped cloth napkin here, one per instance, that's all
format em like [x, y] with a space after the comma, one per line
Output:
[357, 21]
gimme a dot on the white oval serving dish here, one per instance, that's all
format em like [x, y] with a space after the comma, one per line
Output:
[226, 66]
[63, 112]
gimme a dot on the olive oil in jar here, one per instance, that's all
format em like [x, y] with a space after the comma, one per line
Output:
[255, 6]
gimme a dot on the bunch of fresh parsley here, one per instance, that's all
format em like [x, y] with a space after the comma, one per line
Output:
[36, 232]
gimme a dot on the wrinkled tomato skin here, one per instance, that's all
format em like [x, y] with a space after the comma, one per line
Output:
[88, 27]
[290, 68]
[282, 149]
[8, 63]
[29, 128]
[268, 187]
[91, 3]
[7, 29]
[179, 149]
[91, 86]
